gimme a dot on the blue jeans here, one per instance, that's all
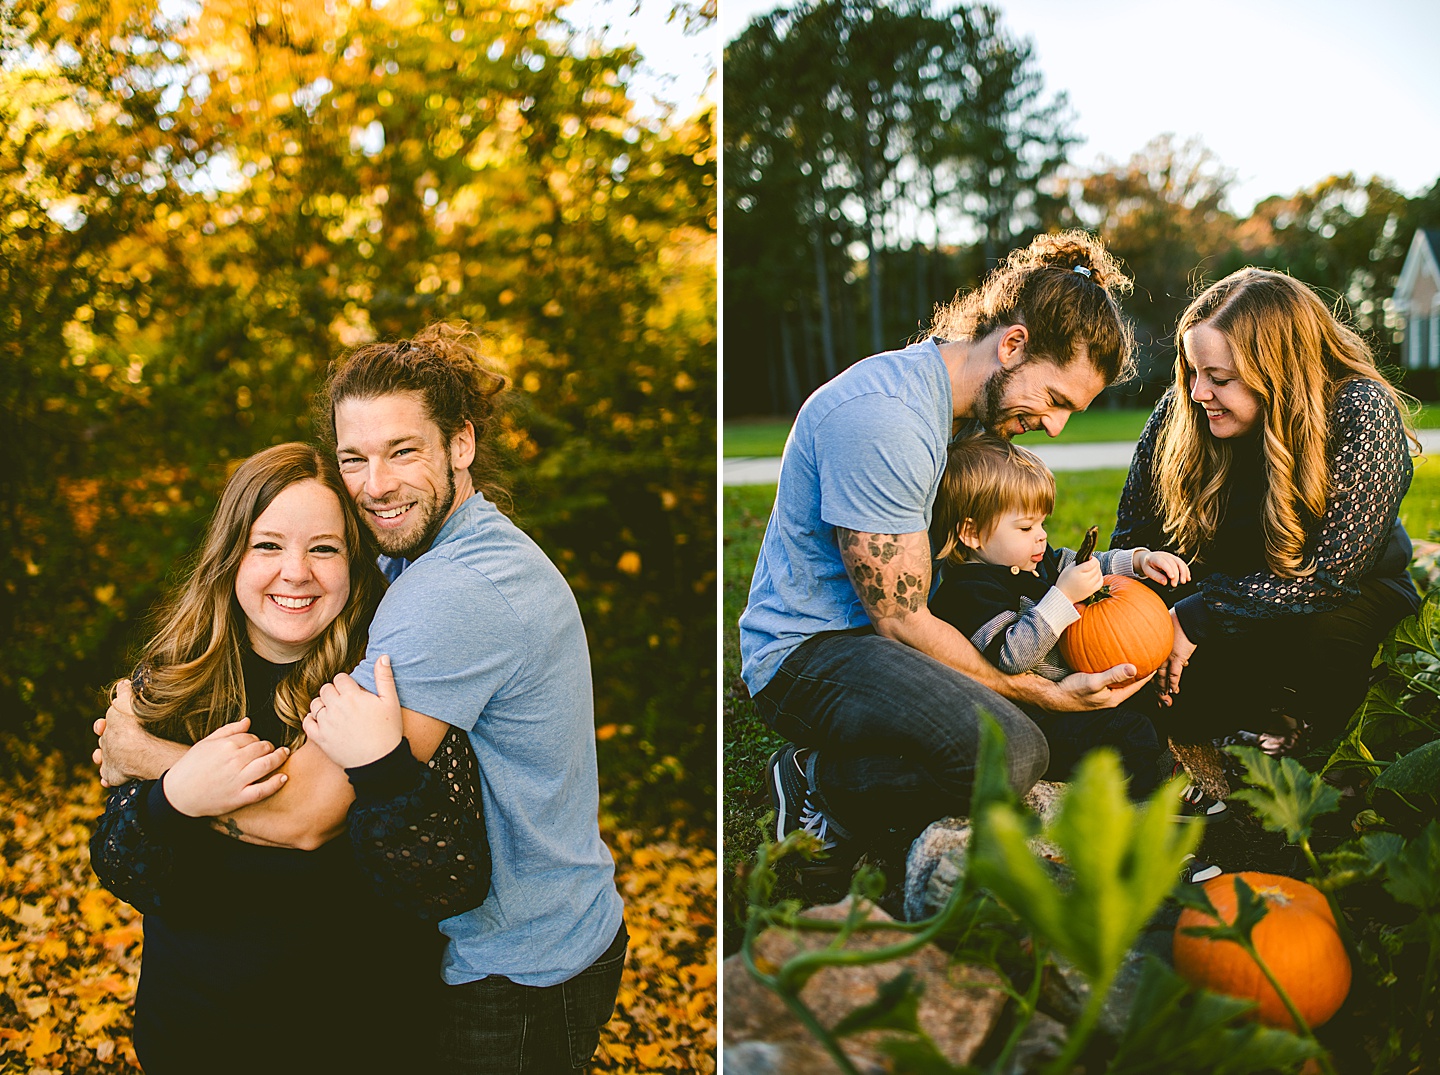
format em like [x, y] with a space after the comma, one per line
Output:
[895, 732]
[496, 1027]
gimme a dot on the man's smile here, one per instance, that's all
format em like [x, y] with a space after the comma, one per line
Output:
[391, 514]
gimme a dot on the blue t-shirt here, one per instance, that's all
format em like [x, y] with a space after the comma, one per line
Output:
[866, 453]
[484, 634]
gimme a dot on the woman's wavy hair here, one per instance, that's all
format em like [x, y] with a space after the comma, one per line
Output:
[1066, 311]
[1294, 354]
[443, 364]
[190, 680]
[986, 476]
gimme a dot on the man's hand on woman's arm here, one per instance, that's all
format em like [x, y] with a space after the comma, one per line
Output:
[126, 751]
[311, 808]
[891, 576]
[304, 810]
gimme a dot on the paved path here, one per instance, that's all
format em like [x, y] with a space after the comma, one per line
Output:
[1107, 455]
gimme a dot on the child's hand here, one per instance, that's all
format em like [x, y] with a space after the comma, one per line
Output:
[1163, 567]
[1079, 581]
[1182, 649]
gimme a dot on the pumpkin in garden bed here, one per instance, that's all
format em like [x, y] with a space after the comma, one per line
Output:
[1297, 939]
[1125, 622]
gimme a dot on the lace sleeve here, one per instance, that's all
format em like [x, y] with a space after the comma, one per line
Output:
[1137, 522]
[418, 830]
[127, 858]
[1370, 471]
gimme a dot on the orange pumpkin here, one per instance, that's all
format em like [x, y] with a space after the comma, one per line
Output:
[1124, 623]
[1297, 939]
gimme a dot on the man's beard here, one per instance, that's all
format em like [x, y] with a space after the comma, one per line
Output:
[399, 547]
[989, 408]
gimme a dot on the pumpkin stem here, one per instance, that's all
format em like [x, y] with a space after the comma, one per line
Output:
[1301, 1026]
[1102, 594]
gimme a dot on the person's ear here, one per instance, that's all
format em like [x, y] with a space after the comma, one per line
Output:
[1012, 346]
[462, 448]
[969, 534]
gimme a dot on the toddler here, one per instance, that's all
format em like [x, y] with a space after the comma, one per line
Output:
[1012, 595]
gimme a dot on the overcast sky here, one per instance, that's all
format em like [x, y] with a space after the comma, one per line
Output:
[1283, 92]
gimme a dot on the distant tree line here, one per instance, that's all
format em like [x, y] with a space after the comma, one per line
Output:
[881, 155]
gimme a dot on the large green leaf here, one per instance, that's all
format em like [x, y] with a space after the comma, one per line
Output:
[1123, 859]
[1420, 631]
[1287, 796]
[1360, 860]
[1249, 910]
[1413, 875]
[1178, 1030]
[1415, 773]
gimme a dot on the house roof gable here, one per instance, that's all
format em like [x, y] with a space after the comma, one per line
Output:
[1423, 257]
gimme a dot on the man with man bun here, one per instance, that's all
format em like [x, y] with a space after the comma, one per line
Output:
[879, 699]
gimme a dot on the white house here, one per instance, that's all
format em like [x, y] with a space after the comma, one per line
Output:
[1417, 301]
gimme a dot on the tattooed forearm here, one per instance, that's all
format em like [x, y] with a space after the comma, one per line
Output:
[228, 826]
[890, 572]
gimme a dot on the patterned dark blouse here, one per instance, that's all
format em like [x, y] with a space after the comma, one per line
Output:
[1358, 536]
[416, 831]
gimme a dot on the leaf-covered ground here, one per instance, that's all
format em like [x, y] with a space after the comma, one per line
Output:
[70, 952]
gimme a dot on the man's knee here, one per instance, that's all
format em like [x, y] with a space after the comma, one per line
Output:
[1027, 754]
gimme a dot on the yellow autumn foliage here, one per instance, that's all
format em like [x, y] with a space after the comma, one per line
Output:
[70, 951]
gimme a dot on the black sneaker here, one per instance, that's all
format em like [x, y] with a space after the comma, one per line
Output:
[1193, 871]
[1195, 803]
[790, 792]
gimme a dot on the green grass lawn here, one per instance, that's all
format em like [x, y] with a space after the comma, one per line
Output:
[1085, 498]
[764, 437]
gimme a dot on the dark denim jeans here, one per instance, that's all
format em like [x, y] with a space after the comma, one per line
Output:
[495, 1027]
[1126, 729]
[896, 732]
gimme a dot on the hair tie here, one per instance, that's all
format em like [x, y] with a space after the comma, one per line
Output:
[1083, 271]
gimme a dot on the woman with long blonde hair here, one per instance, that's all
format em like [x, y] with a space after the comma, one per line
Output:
[1276, 466]
[257, 957]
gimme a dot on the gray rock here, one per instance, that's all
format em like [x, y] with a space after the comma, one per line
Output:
[957, 1008]
[936, 861]
[938, 856]
[1044, 799]
[784, 1058]
[1066, 991]
[1039, 1044]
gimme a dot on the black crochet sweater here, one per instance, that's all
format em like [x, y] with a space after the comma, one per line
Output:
[1358, 536]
